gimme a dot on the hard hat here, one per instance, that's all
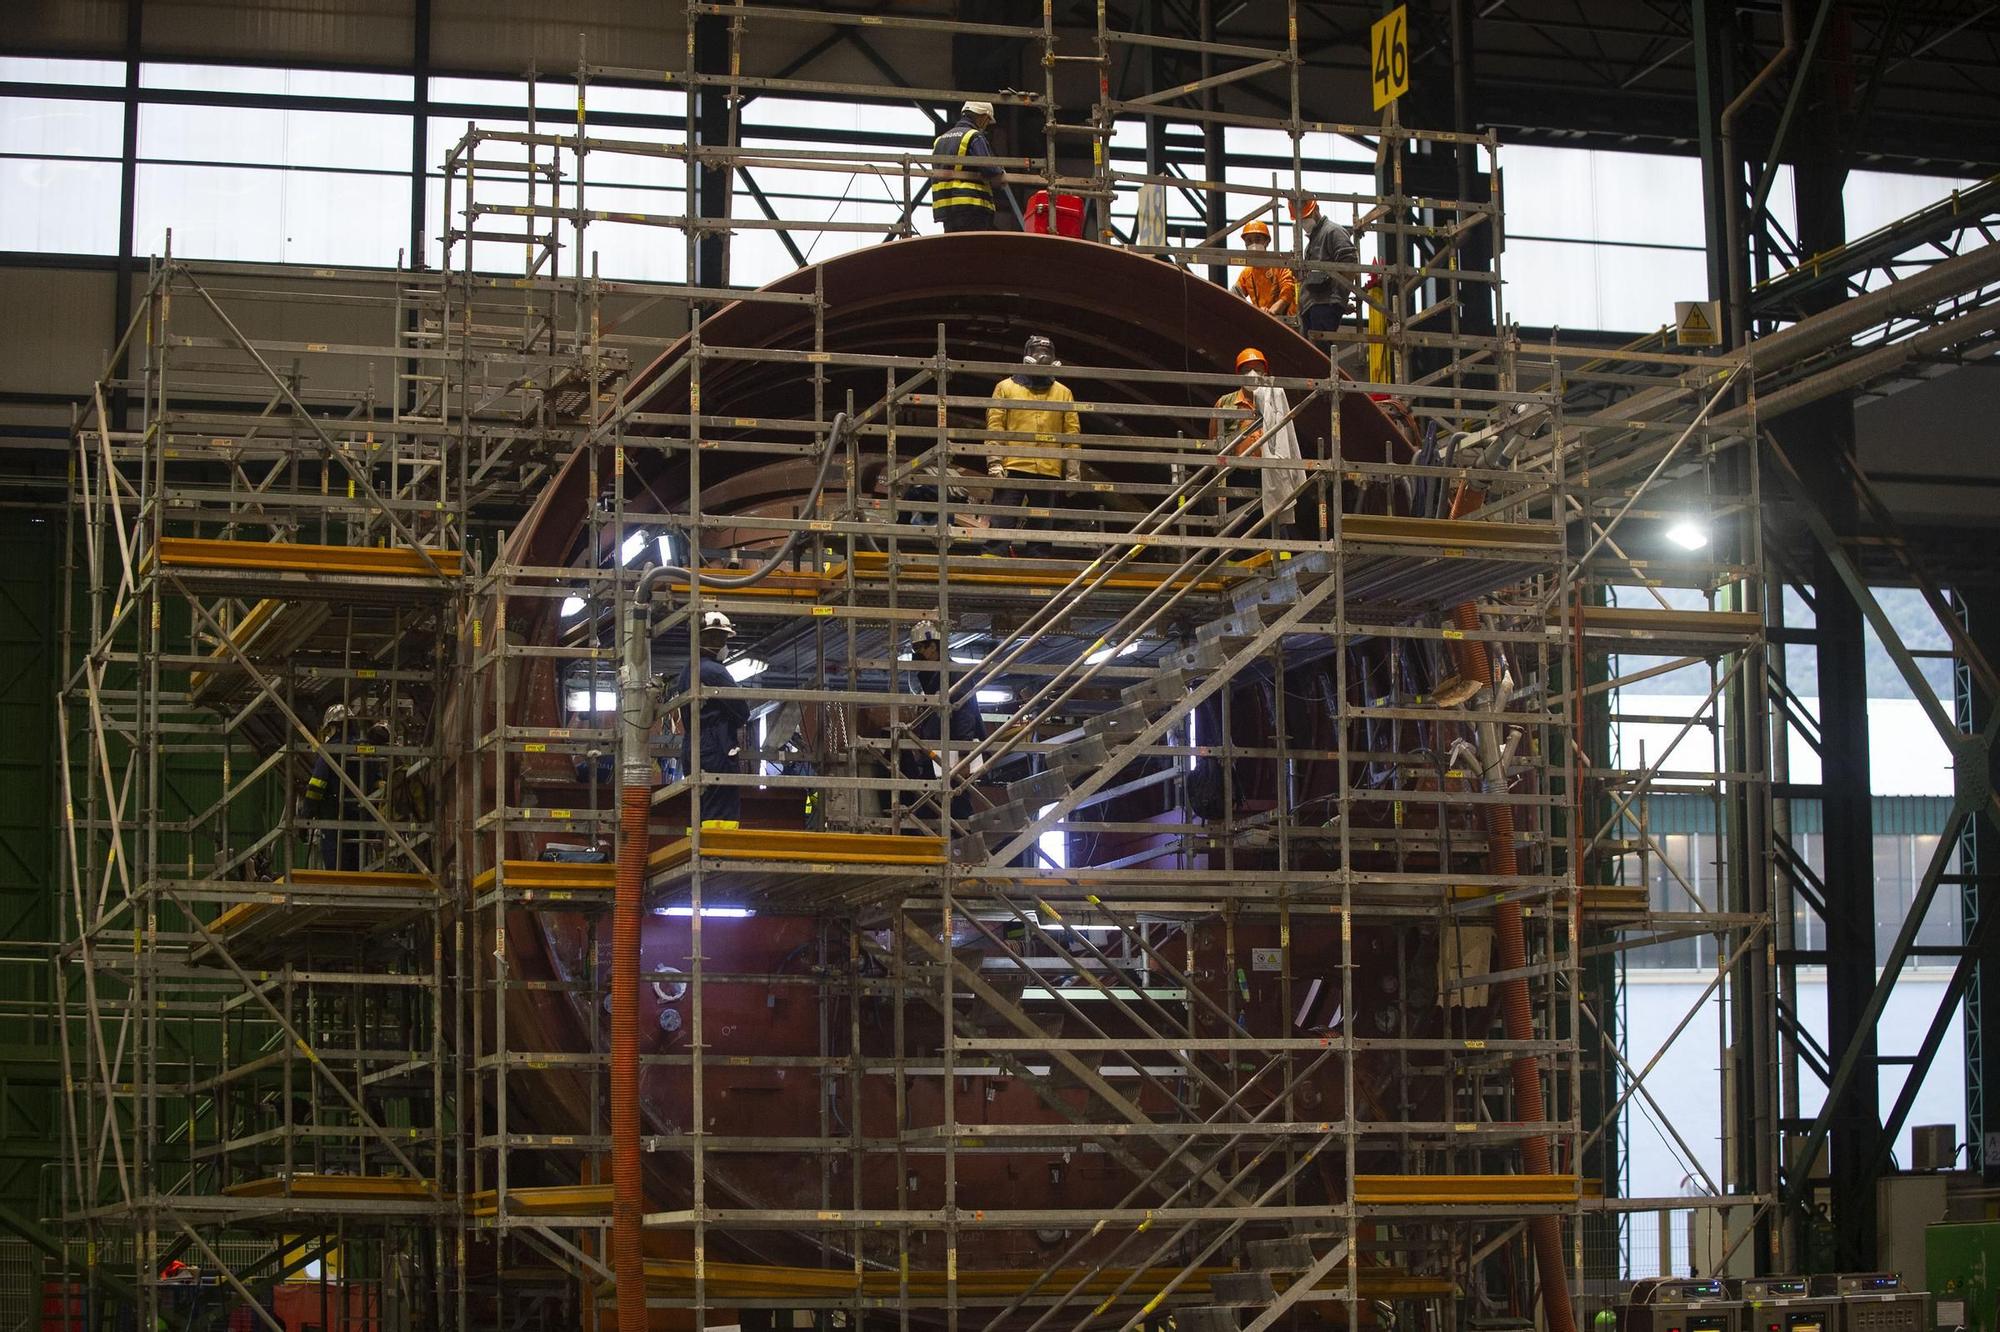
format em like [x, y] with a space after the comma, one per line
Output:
[715, 622]
[925, 631]
[1250, 355]
[335, 715]
[978, 109]
[1257, 229]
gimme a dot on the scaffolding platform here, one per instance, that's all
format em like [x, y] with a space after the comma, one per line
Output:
[543, 1200]
[788, 868]
[389, 1192]
[1664, 632]
[545, 883]
[296, 570]
[1466, 1190]
[257, 933]
[1004, 573]
[1429, 562]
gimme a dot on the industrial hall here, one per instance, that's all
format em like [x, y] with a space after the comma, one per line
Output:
[999, 665]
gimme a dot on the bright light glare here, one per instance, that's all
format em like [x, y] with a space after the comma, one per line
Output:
[666, 548]
[743, 668]
[957, 660]
[579, 700]
[1104, 654]
[1688, 534]
[707, 913]
[996, 696]
[633, 545]
[572, 606]
[1054, 844]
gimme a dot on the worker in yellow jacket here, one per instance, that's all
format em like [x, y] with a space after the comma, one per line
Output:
[1045, 410]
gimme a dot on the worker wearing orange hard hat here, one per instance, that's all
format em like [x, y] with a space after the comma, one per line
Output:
[1272, 290]
[1268, 435]
[1324, 292]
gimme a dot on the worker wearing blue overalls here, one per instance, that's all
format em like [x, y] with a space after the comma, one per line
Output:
[925, 761]
[962, 193]
[722, 723]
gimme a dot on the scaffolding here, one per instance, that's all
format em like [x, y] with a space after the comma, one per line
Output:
[1173, 986]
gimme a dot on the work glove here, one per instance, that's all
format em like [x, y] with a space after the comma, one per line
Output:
[995, 470]
[1073, 473]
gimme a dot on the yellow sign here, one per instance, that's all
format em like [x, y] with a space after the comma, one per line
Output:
[1698, 323]
[1389, 56]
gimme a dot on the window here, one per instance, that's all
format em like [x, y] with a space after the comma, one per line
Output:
[273, 185]
[59, 171]
[278, 82]
[1600, 240]
[80, 73]
[627, 184]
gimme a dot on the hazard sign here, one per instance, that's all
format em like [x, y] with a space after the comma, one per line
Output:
[1389, 56]
[1698, 323]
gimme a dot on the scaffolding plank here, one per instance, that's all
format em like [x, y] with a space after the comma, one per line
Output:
[197, 553]
[257, 932]
[1445, 1190]
[544, 1200]
[361, 1188]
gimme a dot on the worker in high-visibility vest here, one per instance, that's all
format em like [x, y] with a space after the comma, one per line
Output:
[1040, 406]
[1275, 291]
[962, 193]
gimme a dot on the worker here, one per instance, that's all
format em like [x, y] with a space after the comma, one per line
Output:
[722, 723]
[344, 735]
[1275, 291]
[1269, 435]
[929, 759]
[1045, 411]
[962, 194]
[1323, 296]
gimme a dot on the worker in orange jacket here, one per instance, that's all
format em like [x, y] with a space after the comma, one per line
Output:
[1275, 291]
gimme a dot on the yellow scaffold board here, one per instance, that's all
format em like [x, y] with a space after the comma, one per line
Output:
[544, 1200]
[354, 1188]
[286, 557]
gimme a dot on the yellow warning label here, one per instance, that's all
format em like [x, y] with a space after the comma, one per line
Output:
[1698, 323]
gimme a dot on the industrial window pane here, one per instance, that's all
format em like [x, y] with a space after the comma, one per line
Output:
[56, 127]
[1584, 194]
[85, 73]
[258, 136]
[549, 93]
[865, 120]
[260, 215]
[1629, 289]
[278, 82]
[1873, 199]
[59, 207]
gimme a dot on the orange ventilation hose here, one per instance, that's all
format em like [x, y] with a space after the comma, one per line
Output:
[1511, 943]
[628, 1181]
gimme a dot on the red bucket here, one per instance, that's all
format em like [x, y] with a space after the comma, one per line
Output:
[1068, 214]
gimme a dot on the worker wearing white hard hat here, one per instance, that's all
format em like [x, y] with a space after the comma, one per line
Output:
[962, 191]
[722, 722]
[927, 760]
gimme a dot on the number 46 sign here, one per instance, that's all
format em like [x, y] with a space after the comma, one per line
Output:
[1389, 56]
